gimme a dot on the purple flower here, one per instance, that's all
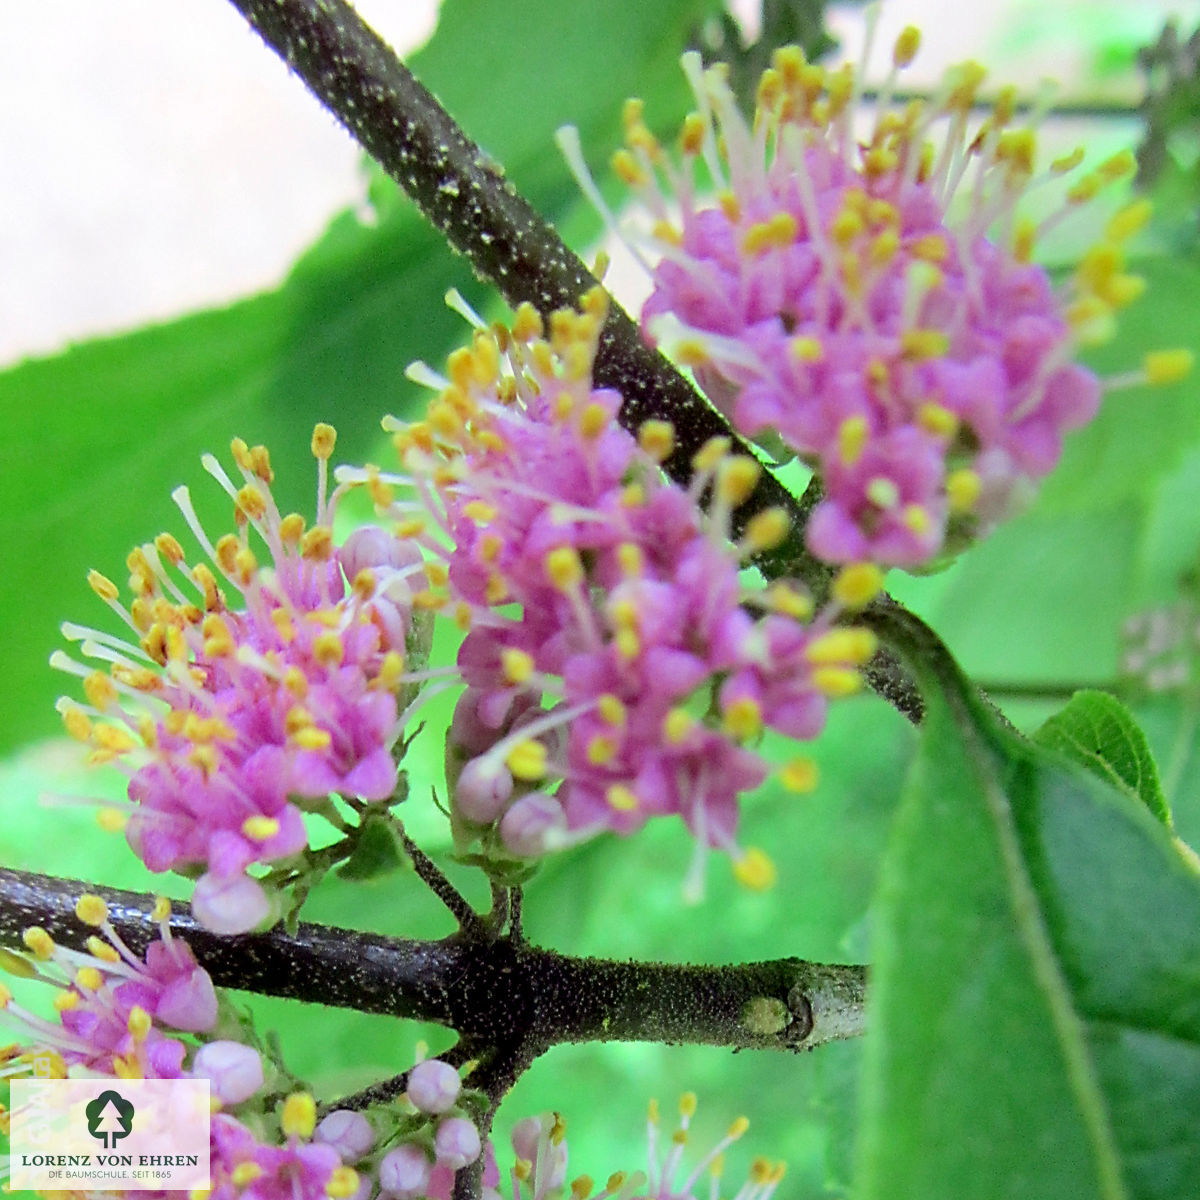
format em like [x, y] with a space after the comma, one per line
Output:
[251, 689]
[617, 666]
[867, 300]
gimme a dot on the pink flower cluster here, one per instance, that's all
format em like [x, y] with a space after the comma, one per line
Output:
[112, 1005]
[868, 303]
[233, 716]
[591, 583]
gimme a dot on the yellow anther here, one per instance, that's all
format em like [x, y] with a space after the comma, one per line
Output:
[437, 573]
[102, 585]
[916, 518]
[518, 664]
[800, 775]
[100, 690]
[496, 590]
[594, 420]
[343, 1183]
[962, 81]
[766, 530]
[260, 828]
[527, 760]
[601, 750]
[1120, 166]
[806, 349]
[39, 942]
[657, 439]
[312, 738]
[836, 682]
[1123, 289]
[1167, 366]
[906, 47]
[852, 438]
[169, 548]
[1068, 162]
[652, 1112]
[444, 420]
[299, 1116]
[564, 568]
[783, 598]
[845, 227]
[754, 870]
[317, 544]
[691, 352]
[739, 1127]
[91, 909]
[620, 798]
[776, 232]
[138, 1023]
[628, 644]
[1084, 190]
[884, 247]
[1129, 220]
[677, 725]
[627, 168]
[78, 724]
[251, 502]
[611, 709]
[328, 649]
[857, 585]
[883, 492]
[1018, 148]
[245, 1173]
[581, 1188]
[88, 979]
[742, 718]
[919, 344]
[842, 646]
[161, 910]
[691, 135]
[931, 248]
[630, 558]
[687, 1105]
[112, 739]
[241, 453]
[737, 478]
[66, 1001]
[935, 419]
[522, 1169]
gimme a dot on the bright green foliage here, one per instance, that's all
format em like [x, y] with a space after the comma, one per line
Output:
[1097, 731]
[1036, 1022]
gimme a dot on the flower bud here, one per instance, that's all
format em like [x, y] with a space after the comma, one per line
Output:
[404, 1172]
[483, 789]
[456, 1143]
[233, 905]
[530, 824]
[349, 1133]
[433, 1086]
[371, 547]
[234, 1070]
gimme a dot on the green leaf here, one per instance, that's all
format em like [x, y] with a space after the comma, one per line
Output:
[1097, 731]
[1035, 1024]
[97, 437]
[377, 852]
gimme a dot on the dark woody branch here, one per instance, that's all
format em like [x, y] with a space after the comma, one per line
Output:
[505, 997]
[464, 194]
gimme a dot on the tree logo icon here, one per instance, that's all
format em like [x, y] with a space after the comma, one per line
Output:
[109, 1117]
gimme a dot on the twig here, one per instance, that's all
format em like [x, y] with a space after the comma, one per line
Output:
[469, 921]
[464, 194]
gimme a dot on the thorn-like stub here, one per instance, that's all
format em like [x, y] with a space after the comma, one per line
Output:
[802, 1015]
